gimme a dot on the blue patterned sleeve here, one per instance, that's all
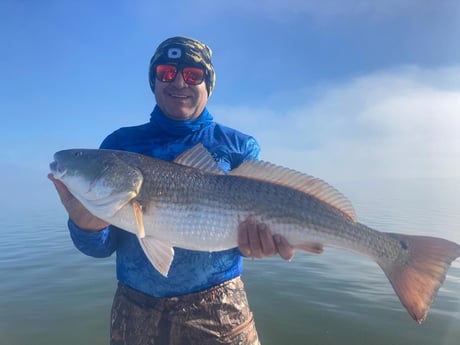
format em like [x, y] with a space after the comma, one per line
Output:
[98, 244]
[252, 149]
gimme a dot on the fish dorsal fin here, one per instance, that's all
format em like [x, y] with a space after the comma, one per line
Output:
[307, 184]
[200, 158]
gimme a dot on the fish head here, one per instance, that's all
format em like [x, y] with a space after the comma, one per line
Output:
[99, 179]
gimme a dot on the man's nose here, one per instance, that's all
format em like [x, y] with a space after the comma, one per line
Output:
[179, 80]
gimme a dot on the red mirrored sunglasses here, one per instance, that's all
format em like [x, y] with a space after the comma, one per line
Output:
[191, 75]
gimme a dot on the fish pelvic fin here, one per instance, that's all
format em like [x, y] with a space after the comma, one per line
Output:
[160, 254]
[417, 275]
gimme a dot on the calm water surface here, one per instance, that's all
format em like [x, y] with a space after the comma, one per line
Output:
[52, 294]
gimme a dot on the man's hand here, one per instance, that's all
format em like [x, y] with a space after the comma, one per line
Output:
[255, 240]
[77, 212]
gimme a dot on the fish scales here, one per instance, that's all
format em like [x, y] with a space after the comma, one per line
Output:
[215, 203]
[190, 203]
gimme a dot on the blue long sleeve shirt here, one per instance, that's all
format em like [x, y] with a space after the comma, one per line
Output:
[191, 271]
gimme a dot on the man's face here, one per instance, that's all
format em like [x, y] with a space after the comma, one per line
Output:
[179, 100]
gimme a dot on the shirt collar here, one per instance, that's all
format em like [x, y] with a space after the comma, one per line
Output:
[176, 127]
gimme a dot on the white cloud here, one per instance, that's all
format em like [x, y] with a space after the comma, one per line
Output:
[399, 123]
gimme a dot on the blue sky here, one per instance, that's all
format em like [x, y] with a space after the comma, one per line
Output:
[336, 88]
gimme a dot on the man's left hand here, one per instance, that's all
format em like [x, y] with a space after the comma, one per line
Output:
[255, 240]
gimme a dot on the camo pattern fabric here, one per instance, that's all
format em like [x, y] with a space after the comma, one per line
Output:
[219, 315]
[184, 51]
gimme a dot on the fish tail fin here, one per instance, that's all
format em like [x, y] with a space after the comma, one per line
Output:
[417, 275]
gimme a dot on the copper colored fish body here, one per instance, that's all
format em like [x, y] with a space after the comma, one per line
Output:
[190, 203]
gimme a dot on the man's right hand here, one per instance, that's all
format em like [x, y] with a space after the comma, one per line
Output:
[77, 212]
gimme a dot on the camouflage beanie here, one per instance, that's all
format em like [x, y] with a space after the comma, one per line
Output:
[184, 51]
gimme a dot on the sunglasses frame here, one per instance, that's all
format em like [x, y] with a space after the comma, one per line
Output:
[180, 69]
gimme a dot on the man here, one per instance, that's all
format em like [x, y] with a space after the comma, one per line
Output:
[203, 299]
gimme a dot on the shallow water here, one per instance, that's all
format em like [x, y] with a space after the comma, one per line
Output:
[52, 294]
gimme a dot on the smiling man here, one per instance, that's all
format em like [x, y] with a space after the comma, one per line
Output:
[202, 301]
[183, 97]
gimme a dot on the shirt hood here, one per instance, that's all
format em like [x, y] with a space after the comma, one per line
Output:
[177, 127]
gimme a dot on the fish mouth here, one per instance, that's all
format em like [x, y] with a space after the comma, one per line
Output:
[57, 171]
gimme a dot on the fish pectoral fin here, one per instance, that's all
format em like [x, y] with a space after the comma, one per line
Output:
[137, 207]
[311, 247]
[160, 254]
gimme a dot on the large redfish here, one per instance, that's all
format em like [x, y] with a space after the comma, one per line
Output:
[190, 203]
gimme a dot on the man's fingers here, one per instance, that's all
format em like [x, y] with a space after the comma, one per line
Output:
[285, 250]
[61, 189]
[77, 212]
[243, 239]
[254, 239]
[266, 240]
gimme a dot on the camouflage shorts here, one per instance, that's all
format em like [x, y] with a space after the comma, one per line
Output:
[219, 315]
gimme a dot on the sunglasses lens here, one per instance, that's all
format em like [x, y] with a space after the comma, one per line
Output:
[166, 73]
[193, 75]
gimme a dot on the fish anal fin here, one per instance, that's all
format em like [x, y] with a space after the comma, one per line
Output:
[199, 157]
[315, 187]
[160, 254]
[311, 247]
[419, 272]
[137, 207]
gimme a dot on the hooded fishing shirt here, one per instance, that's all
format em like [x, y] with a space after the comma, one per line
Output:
[190, 271]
